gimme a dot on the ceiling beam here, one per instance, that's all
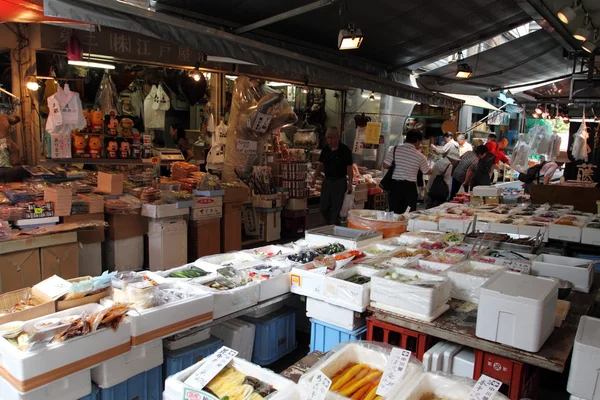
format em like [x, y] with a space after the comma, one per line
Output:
[468, 41]
[284, 15]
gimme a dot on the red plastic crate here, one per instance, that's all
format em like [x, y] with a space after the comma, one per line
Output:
[293, 222]
[379, 331]
[519, 380]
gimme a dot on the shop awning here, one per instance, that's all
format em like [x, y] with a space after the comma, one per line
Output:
[266, 57]
[474, 101]
[24, 11]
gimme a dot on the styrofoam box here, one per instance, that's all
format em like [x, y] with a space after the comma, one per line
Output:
[429, 225]
[442, 386]
[236, 259]
[517, 310]
[274, 287]
[167, 243]
[175, 386]
[590, 236]
[454, 225]
[349, 241]
[357, 353]
[168, 319]
[532, 231]
[137, 360]
[26, 365]
[578, 271]
[565, 232]
[383, 249]
[163, 210]
[200, 280]
[497, 227]
[72, 387]
[346, 294]
[308, 282]
[230, 301]
[430, 267]
[124, 254]
[467, 278]
[238, 335]
[334, 315]
[584, 376]
[271, 251]
[418, 299]
[486, 191]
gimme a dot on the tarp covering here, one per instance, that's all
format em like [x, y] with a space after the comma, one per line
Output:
[474, 101]
[218, 43]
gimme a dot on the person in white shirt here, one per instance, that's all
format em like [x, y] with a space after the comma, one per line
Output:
[464, 146]
[408, 161]
[450, 148]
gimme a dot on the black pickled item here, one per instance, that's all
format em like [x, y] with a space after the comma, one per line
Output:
[358, 279]
[332, 248]
[304, 256]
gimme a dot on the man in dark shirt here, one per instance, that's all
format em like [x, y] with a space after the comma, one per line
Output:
[336, 162]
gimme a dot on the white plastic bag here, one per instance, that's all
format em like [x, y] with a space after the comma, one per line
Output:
[347, 205]
[580, 146]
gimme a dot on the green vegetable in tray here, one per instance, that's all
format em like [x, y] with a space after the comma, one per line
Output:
[332, 248]
[358, 279]
[192, 272]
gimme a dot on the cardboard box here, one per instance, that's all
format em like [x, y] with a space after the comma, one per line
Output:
[91, 236]
[167, 243]
[204, 238]
[163, 210]
[124, 254]
[110, 183]
[231, 227]
[20, 269]
[268, 200]
[61, 260]
[95, 201]
[237, 195]
[61, 198]
[203, 202]
[98, 216]
[296, 204]
[269, 226]
[90, 259]
[125, 226]
[94, 298]
[44, 306]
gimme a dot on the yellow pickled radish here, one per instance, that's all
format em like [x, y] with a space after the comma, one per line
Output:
[360, 393]
[370, 378]
[371, 395]
[347, 376]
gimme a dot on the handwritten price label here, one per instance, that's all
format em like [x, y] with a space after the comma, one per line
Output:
[320, 386]
[394, 370]
[248, 147]
[485, 388]
[211, 367]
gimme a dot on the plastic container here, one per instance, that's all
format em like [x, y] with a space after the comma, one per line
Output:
[584, 378]
[147, 385]
[275, 336]
[463, 363]
[517, 310]
[71, 387]
[324, 336]
[426, 294]
[468, 277]
[238, 335]
[334, 315]
[372, 219]
[178, 360]
[346, 294]
[575, 270]
[186, 338]
[562, 309]
[95, 395]
[350, 238]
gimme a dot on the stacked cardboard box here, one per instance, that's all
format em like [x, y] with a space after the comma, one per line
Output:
[61, 198]
[110, 183]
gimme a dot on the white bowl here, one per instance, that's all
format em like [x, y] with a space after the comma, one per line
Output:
[11, 329]
[46, 324]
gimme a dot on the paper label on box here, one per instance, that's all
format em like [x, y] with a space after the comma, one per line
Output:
[320, 270]
[191, 394]
[213, 365]
[394, 370]
[485, 388]
[261, 123]
[320, 386]
[248, 147]
[53, 287]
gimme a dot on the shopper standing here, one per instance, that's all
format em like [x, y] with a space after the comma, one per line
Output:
[408, 161]
[450, 148]
[459, 175]
[336, 162]
[464, 146]
[442, 168]
[483, 170]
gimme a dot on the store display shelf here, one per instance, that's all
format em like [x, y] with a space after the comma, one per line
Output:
[104, 161]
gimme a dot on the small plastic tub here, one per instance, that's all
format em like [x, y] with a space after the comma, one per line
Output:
[388, 223]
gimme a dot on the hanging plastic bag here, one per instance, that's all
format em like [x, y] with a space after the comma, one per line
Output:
[107, 98]
[347, 205]
[580, 145]
[555, 142]
[520, 156]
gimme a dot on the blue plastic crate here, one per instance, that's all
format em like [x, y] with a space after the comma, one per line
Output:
[324, 336]
[95, 395]
[147, 385]
[178, 360]
[594, 257]
[275, 336]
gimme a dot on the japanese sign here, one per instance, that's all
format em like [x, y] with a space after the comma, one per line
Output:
[320, 386]
[261, 123]
[373, 132]
[190, 394]
[211, 367]
[499, 118]
[394, 370]
[485, 388]
[248, 147]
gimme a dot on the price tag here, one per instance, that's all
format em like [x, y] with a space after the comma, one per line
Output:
[155, 160]
[211, 367]
[191, 394]
[248, 147]
[261, 123]
[320, 386]
[394, 370]
[320, 270]
[485, 388]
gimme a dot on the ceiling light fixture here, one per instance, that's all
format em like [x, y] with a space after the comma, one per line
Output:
[372, 96]
[305, 89]
[568, 13]
[583, 32]
[463, 70]
[350, 38]
[91, 64]
[538, 110]
[590, 46]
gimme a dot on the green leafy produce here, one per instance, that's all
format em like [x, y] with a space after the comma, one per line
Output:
[192, 272]
[358, 279]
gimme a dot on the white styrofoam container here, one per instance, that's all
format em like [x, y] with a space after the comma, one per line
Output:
[236, 259]
[274, 287]
[469, 276]
[89, 258]
[486, 191]
[357, 353]
[590, 236]
[238, 335]
[429, 267]
[175, 386]
[203, 202]
[425, 223]
[24, 366]
[578, 271]
[517, 310]
[230, 301]
[532, 231]
[167, 243]
[200, 280]
[442, 386]
[412, 314]
[418, 299]
[271, 251]
[345, 236]
[124, 254]
[565, 232]
[497, 227]
[334, 315]
[584, 376]
[454, 225]
[163, 210]
[346, 294]
[72, 387]
[137, 360]
[308, 282]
